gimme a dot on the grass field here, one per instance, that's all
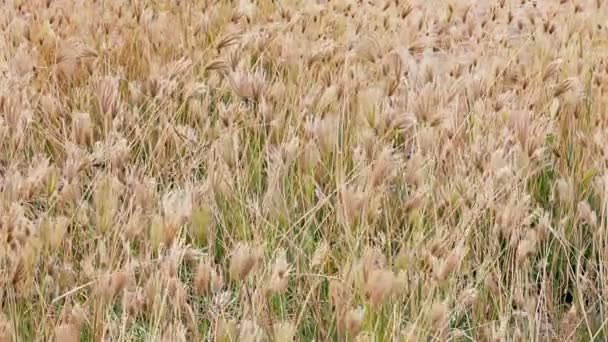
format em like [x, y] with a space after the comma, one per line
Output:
[328, 170]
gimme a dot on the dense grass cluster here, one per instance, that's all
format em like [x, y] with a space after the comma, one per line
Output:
[259, 170]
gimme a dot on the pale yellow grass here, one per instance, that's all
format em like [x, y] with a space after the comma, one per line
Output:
[261, 170]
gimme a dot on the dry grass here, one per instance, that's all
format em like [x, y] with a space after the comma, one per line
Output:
[262, 170]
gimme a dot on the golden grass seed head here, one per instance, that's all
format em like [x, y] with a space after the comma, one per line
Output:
[379, 286]
[338, 294]
[202, 279]
[50, 106]
[352, 201]
[491, 282]
[353, 320]
[112, 285]
[108, 97]
[217, 280]
[527, 246]
[279, 277]
[177, 208]
[564, 190]
[587, 214]
[437, 315]
[82, 128]
[552, 69]
[450, 263]
[320, 255]
[58, 231]
[243, 260]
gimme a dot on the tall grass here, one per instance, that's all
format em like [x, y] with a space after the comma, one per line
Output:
[262, 170]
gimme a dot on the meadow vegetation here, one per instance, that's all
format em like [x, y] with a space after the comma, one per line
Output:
[265, 170]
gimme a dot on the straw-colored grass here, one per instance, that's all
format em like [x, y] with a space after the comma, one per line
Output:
[270, 170]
